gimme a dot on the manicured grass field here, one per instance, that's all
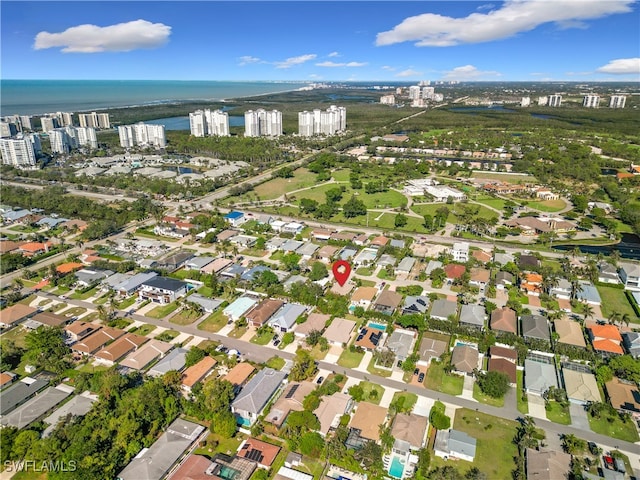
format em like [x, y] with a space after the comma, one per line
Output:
[364, 271]
[486, 399]
[163, 310]
[167, 335]
[127, 302]
[341, 175]
[368, 387]
[617, 429]
[214, 322]
[438, 380]
[302, 178]
[238, 332]
[614, 300]
[548, 205]
[388, 199]
[558, 414]
[492, 202]
[350, 359]
[431, 208]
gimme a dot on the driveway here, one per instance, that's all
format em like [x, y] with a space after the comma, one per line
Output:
[578, 416]
[536, 406]
[467, 388]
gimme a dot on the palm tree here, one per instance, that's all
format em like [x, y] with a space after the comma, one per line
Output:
[555, 315]
[614, 256]
[575, 252]
[587, 311]
[614, 318]
[626, 318]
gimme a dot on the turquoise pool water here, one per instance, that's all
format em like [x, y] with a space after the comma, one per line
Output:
[397, 468]
[379, 326]
[245, 422]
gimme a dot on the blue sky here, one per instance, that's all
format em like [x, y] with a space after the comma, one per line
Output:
[524, 40]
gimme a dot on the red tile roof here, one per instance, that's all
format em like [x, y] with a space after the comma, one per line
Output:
[454, 271]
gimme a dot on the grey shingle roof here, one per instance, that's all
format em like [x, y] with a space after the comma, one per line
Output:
[255, 394]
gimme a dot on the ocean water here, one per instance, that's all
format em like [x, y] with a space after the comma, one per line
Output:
[33, 97]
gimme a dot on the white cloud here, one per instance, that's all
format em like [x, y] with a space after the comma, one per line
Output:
[248, 59]
[622, 66]
[291, 61]
[408, 73]
[344, 64]
[389, 68]
[486, 6]
[469, 72]
[313, 75]
[513, 17]
[121, 37]
[333, 54]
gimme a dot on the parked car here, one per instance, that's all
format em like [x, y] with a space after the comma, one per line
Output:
[416, 371]
[608, 462]
[320, 380]
[593, 448]
[421, 377]
[276, 343]
[618, 463]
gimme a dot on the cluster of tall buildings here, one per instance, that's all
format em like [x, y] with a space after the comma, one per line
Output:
[63, 140]
[588, 101]
[205, 123]
[262, 123]
[319, 122]
[21, 151]
[142, 135]
[13, 124]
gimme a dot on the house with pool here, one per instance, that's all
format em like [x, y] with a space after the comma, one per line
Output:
[255, 395]
[409, 431]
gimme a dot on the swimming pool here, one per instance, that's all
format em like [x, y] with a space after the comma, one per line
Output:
[379, 326]
[460, 343]
[245, 422]
[397, 468]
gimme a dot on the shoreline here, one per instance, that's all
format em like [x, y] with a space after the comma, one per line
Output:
[167, 102]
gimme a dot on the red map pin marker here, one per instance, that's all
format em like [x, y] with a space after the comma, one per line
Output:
[341, 271]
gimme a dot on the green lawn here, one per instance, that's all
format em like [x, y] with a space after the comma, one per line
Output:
[16, 335]
[493, 435]
[616, 428]
[85, 295]
[368, 387]
[238, 332]
[548, 205]
[558, 414]
[372, 369]
[127, 302]
[262, 339]
[350, 359]
[74, 312]
[217, 444]
[409, 400]
[505, 177]
[302, 178]
[275, 362]
[492, 202]
[437, 380]
[486, 399]
[431, 208]
[614, 300]
[341, 175]
[365, 271]
[167, 335]
[143, 330]
[382, 274]
[162, 311]
[388, 199]
[185, 317]
[523, 405]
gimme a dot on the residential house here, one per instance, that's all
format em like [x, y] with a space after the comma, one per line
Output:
[315, 321]
[588, 293]
[248, 405]
[503, 258]
[7, 378]
[387, 302]
[132, 284]
[225, 235]
[263, 453]
[502, 365]
[443, 309]
[369, 338]
[504, 280]
[397, 243]
[366, 256]
[528, 261]
[239, 307]
[274, 244]
[331, 410]
[92, 343]
[415, 305]
[149, 352]
[321, 234]
[307, 250]
[630, 276]
[379, 241]
[386, 260]
[624, 396]
[401, 343]
[410, 428]
[606, 339]
[347, 253]
[162, 290]
[234, 270]
[261, 314]
[31, 249]
[569, 332]
[293, 279]
[460, 252]
[198, 263]
[155, 462]
[631, 342]
[198, 372]
[547, 464]
[288, 473]
[88, 277]
[481, 256]
[175, 261]
[581, 387]
[239, 374]
[504, 320]
[175, 360]
[254, 272]
[607, 273]
[116, 350]
[235, 218]
[405, 266]
[453, 271]
[506, 353]
[290, 401]
[472, 316]
[562, 289]
[365, 424]
[532, 284]
[293, 228]
[19, 393]
[244, 241]
[432, 265]
[78, 330]
[539, 375]
[432, 349]
[343, 236]
[363, 296]
[361, 239]
[455, 445]
[14, 314]
[535, 326]
[284, 319]
[209, 305]
[327, 253]
[45, 319]
[464, 358]
[479, 277]
[195, 467]
[339, 331]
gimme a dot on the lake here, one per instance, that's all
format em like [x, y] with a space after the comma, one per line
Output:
[629, 247]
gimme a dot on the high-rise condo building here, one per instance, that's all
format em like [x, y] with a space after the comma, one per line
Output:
[86, 136]
[62, 140]
[8, 129]
[49, 123]
[555, 100]
[428, 93]
[25, 122]
[414, 92]
[17, 152]
[262, 123]
[94, 120]
[543, 101]
[591, 101]
[318, 122]
[388, 100]
[617, 101]
[142, 135]
[205, 123]
[525, 102]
